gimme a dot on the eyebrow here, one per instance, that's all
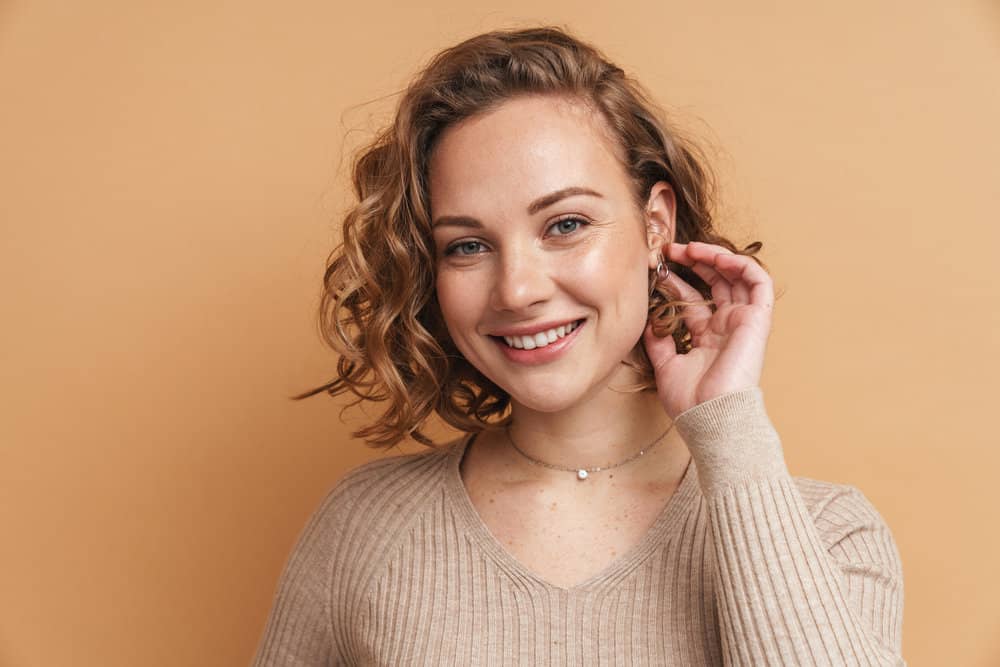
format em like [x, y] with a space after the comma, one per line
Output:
[534, 207]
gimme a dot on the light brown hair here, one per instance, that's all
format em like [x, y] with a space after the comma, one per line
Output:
[379, 309]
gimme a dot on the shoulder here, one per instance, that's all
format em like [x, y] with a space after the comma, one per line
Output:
[382, 491]
[837, 506]
[365, 513]
[321, 588]
[847, 521]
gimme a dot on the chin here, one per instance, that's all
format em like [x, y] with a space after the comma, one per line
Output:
[551, 395]
[545, 402]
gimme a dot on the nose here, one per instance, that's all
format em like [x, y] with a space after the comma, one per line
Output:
[524, 278]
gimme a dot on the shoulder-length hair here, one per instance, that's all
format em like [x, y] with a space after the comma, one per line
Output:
[379, 309]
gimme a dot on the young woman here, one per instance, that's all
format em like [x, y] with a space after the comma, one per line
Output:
[532, 257]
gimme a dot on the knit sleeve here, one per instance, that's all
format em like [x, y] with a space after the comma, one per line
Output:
[301, 626]
[793, 588]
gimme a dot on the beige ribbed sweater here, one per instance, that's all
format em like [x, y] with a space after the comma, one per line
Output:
[745, 565]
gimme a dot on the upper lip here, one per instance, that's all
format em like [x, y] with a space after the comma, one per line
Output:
[532, 329]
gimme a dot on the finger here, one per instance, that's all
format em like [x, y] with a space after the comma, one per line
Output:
[739, 289]
[659, 350]
[701, 262]
[741, 294]
[685, 290]
[695, 317]
[755, 282]
[750, 282]
[696, 251]
[721, 289]
[705, 249]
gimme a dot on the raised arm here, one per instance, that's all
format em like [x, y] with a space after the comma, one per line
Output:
[794, 587]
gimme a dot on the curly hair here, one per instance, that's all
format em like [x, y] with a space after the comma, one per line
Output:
[379, 309]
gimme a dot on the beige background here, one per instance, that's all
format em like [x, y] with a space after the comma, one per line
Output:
[170, 175]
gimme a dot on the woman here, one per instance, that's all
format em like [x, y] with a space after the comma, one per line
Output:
[532, 257]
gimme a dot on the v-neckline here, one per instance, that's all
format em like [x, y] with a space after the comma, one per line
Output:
[670, 516]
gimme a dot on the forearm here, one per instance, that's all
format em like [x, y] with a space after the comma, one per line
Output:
[783, 598]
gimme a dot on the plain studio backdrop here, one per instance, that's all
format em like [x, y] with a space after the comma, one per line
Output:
[171, 180]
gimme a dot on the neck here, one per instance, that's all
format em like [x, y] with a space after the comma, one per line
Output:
[602, 431]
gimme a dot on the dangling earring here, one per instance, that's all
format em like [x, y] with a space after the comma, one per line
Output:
[662, 272]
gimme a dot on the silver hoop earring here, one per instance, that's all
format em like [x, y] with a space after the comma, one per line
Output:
[662, 272]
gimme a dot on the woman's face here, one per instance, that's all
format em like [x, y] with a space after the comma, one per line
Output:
[541, 255]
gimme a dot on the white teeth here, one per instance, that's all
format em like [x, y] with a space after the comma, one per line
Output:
[540, 339]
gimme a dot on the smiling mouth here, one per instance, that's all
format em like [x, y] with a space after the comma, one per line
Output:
[540, 339]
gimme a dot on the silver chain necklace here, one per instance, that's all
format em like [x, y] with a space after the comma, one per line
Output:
[584, 473]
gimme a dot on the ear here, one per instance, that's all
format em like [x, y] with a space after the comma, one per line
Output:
[661, 217]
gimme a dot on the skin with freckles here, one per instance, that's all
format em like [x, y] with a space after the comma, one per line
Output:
[535, 225]
[584, 256]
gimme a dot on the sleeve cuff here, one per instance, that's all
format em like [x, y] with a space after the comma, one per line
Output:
[732, 440]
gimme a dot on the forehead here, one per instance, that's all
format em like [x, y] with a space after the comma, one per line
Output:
[525, 148]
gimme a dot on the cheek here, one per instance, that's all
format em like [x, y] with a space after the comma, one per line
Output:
[612, 269]
[446, 297]
[457, 301]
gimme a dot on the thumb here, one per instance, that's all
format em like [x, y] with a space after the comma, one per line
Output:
[659, 350]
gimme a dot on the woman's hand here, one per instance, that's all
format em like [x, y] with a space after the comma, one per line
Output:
[729, 344]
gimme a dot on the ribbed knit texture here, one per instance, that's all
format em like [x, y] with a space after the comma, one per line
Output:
[745, 565]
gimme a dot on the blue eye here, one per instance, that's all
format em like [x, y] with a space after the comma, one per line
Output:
[567, 226]
[464, 248]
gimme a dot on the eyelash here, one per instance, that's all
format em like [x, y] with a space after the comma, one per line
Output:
[452, 249]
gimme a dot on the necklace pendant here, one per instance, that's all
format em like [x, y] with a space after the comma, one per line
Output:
[581, 474]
